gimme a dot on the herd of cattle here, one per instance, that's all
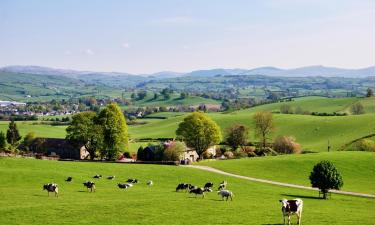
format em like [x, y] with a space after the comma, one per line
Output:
[288, 208]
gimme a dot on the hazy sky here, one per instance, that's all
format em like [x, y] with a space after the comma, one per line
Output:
[140, 36]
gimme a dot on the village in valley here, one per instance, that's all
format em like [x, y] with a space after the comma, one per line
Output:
[252, 132]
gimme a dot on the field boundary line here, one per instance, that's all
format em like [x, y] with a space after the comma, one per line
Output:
[210, 169]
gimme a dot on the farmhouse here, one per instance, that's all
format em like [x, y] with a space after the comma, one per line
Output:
[58, 147]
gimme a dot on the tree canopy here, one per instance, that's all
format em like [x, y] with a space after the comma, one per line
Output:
[115, 130]
[264, 126]
[325, 176]
[199, 132]
[13, 135]
[237, 135]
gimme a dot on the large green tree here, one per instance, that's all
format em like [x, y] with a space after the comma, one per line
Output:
[13, 135]
[85, 130]
[325, 176]
[115, 130]
[264, 126]
[199, 132]
[3, 143]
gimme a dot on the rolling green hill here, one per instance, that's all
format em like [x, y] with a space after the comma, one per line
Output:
[357, 168]
[24, 202]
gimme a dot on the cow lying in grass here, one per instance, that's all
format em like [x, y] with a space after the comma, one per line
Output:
[226, 194]
[97, 176]
[134, 181]
[111, 177]
[69, 179]
[89, 185]
[183, 186]
[124, 186]
[290, 207]
[51, 188]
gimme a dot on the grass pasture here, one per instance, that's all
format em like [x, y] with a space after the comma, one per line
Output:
[357, 168]
[22, 200]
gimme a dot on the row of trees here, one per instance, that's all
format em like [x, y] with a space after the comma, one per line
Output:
[104, 133]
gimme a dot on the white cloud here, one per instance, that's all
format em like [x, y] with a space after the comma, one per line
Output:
[89, 52]
[125, 45]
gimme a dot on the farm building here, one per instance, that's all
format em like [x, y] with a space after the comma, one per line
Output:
[58, 147]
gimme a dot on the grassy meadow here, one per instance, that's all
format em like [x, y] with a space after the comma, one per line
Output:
[22, 200]
[356, 168]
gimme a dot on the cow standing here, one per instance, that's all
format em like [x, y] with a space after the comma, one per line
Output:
[89, 185]
[51, 188]
[290, 207]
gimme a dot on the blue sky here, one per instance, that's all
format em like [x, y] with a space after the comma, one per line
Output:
[142, 36]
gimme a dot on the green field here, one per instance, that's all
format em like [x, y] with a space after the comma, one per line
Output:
[357, 168]
[22, 200]
[312, 132]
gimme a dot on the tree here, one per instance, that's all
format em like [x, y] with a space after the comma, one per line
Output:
[369, 92]
[237, 136]
[3, 143]
[85, 131]
[199, 132]
[264, 126]
[357, 108]
[140, 153]
[141, 95]
[13, 135]
[286, 145]
[174, 151]
[28, 140]
[286, 109]
[325, 176]
[115, 130]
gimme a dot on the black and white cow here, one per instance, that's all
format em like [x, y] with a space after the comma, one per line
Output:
[290, 207]
[134, 181]
[209, 185]
[124, 186]
[226, 194]
[111, 177]
[182, 186]
[69, 179]
[51, 187]
[89, 185]
[198, 191]
[222, 185]
[97, 176]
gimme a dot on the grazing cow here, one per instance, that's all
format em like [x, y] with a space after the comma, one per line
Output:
[192, 187]
[111, 177]
[97, 176]
[290, 207]
[150, 183]
[51, 188]
[209, 185]
[222, 185]
[183, 186]
[69, 179]
[226, 194]
[134, 181]
[124, 186]
[89, 185]
[198, 191]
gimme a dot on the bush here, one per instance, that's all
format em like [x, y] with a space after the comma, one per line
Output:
[286, 145]
[228, 154]
[357, 109]
[325, 176]
[207, 155]
[286, 109]
[174, 151]
[251, 154]
[365, 145]
[239, 154]
[265, 152]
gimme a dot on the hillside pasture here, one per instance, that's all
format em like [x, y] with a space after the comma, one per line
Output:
[24, 202]
[357, 168]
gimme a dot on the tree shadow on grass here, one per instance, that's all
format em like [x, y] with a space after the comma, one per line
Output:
[302, 196]
[83, 191]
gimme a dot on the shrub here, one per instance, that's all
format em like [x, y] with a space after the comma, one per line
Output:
[357, 109]
[229, 154]
[365, 145]
[325, 176]
[127, 155]
[286, 145]
[239, 154]
[251, 154]
[207, 155]
[140, 153]
[286, 109]
[265, 151]
[174, 151]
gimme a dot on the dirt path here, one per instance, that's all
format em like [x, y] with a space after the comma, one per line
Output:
[210, 169]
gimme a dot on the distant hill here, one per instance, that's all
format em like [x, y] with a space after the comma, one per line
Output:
[268, 71]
